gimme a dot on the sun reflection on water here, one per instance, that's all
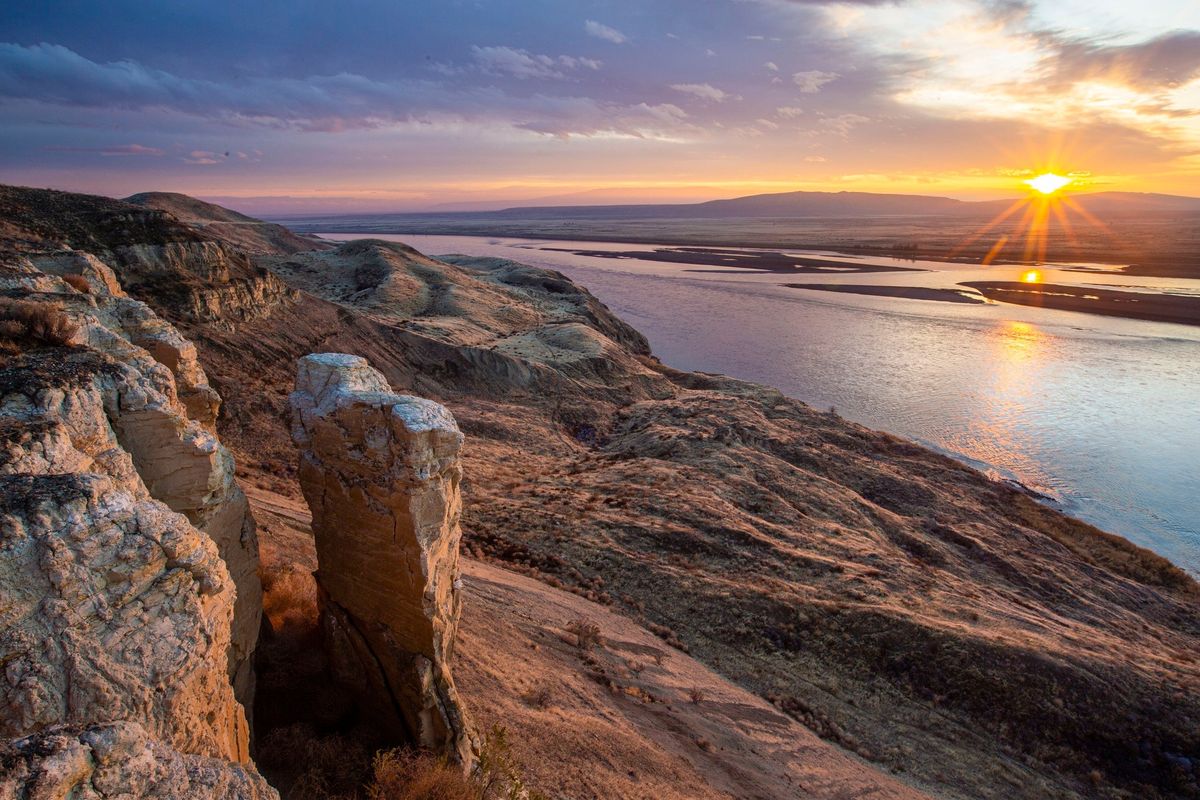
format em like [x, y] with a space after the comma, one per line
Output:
[1019, 350]
[1019, 343]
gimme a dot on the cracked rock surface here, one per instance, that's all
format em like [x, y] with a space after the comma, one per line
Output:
[128, 592]
[119, 760]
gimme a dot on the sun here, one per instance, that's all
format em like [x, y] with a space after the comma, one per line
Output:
[1048, 182]
[1032, 276]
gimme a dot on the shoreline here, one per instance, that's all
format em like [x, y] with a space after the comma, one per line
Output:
[1001, 474]
[715, 241]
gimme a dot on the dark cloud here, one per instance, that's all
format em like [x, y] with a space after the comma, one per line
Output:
[54, 74]
[522, 64]
[1167, 61]
[322, 103]
[114, 150]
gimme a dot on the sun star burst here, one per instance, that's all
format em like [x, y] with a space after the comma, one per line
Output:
[1048, 182]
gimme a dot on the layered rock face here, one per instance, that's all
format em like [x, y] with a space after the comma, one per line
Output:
[200, 282]
[127, 556]
[192, 275]
[381, 473]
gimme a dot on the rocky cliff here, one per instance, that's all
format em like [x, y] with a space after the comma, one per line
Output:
[190, 275]
[247, 234]
[117, 761]
[381, 473]
[127, 555]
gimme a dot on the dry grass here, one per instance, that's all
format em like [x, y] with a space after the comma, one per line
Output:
[24, 323]
[78, 282]
[1104, 549]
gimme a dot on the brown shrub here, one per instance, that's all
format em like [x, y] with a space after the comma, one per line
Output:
[24, 323]
[696, 695]
[539, 697]
[289, 597]
[400, 775]
[405, 775]
[78, 283]
[587, 634]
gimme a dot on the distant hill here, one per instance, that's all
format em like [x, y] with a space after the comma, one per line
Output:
[246, 233]
[840, 204]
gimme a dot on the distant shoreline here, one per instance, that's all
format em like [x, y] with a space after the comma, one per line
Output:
[906, 292]
[957, 241]
[1130, 305]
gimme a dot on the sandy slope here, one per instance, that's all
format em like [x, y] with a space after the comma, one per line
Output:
[630, 717]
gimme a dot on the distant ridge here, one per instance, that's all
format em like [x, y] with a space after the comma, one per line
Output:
[841, 204]
[779, 204]
[804, 204]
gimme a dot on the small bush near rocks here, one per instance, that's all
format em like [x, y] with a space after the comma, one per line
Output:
[289, 597]
[78, 283]
[539, 697]
[24, 324]
[400, 775]
[407, 775]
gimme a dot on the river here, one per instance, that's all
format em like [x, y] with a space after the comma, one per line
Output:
[1101, 414]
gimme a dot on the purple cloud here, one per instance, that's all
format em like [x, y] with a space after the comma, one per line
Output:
[522, 64]
[115, 150]
[602, 31]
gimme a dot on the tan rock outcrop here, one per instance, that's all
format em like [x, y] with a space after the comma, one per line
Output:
[99, 275]
[381, 473]
[167, 425]
[119, 760]
[115, 608]
[120, 526]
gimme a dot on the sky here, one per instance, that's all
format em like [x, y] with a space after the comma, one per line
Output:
[303, 106]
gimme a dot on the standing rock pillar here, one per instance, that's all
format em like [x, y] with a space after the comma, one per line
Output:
[381, 473]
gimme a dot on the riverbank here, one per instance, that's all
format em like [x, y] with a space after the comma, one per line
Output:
[1163, 245]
